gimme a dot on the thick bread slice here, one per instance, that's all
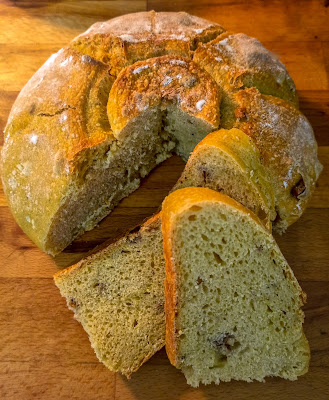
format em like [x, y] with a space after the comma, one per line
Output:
[228, 161]
[232, 302]
[118, 296]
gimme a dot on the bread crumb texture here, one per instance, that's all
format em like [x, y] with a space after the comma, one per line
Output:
[117, 295]
[232, 301]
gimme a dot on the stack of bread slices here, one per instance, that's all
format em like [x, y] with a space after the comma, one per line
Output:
[204, 277]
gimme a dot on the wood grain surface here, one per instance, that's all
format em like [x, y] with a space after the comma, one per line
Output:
[44, 352]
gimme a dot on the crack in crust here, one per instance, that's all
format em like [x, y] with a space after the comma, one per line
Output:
[60, 111]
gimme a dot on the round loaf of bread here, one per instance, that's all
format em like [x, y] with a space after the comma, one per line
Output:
[128, 93]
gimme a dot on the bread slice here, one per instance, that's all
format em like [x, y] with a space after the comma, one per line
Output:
[232, 302]
[228, 161]
[118, 296]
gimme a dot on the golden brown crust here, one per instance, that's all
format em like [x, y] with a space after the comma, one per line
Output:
[124, 40]
[170, 284]
[161, 81]
[62, 89]
[171, 305]
[287, 146]
[238, 61]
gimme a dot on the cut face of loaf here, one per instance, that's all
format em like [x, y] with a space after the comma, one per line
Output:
[118, 297]
[88, 168]
[228, 161]
[232, 302]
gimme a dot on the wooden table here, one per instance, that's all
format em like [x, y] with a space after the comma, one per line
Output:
[44, 353]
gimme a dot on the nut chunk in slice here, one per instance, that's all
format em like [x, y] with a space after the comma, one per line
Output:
[170, 97]
[117, 295]
[232, 302]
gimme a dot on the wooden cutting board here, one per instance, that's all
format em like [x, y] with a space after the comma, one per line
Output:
[44, 352]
